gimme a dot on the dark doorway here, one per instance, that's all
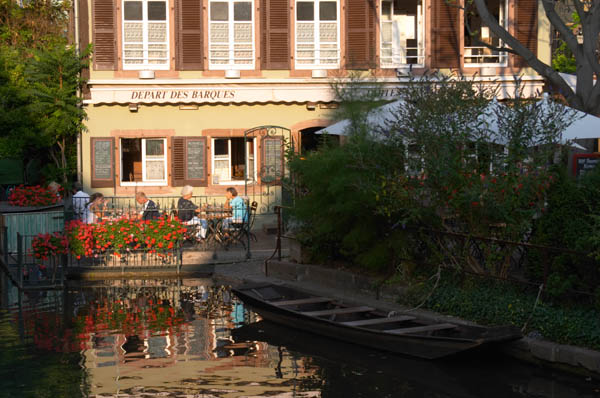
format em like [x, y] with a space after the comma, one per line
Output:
[309, 141]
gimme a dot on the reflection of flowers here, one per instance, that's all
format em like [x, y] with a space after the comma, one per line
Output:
[49, 332]
[47, 245]
[35, 195]
[129, 318]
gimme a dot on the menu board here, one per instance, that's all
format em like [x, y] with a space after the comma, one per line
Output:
[584, 162]
[102, 159]
[195, 159]
[273, 158]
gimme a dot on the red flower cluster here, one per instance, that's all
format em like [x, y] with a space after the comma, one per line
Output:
[35, 195]
[123, 235]
[46, 245]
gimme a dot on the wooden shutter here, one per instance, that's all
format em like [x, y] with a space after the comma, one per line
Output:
[446, 50]
[103, 162]
[526, 27]
[189, 36]
[189, 161]
[104, 34]
[360, 34]
[275, 34]
[272, 160]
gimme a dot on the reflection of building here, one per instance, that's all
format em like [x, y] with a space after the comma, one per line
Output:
[199, 357]
[174, 84]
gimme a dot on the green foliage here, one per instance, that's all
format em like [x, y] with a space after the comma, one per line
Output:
[563, 59]
[338, 216]
[40, 114]
[54, 78]
[493, 302]
[567, 222]
[437, 163]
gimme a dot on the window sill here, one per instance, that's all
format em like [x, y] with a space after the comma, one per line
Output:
[309, 67]
[488, 65]
[233, 182]
[230, 67]
[144, 184]
[146, 67]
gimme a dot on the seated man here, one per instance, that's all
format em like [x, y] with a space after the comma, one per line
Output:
[238, 209]
[149, 209]
[80, 200]
[187, 211]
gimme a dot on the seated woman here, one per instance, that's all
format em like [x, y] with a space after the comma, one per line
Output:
[187, 211]
[238, 209]
[94, 209]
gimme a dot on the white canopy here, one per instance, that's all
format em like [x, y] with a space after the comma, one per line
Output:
[583, 126]
[376, 118]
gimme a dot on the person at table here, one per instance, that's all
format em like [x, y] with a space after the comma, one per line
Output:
[149, 210]
[80, 200]
[95, 209]
[188, 212]
[239, 213]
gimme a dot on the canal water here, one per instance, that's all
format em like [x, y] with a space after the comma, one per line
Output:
[191, 338]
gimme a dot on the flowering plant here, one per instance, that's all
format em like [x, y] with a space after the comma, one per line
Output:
[47, 245]
[35, 195]
[123, 235]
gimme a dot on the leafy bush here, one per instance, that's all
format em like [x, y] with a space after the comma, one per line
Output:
[437, 158]
[495, 302]
[568, 223]
[336, 207]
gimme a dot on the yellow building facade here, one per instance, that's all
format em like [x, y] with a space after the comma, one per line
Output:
[178, 90]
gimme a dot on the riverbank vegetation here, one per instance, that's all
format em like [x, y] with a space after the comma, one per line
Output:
[450, 179]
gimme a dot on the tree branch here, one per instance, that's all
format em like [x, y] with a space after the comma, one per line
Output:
[531, 59]
[565, 32]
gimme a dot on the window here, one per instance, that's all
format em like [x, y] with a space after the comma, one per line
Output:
[145, 35]
[231, 159]
[477, 54]
[143, 161]
[231, 35]
[317, 34]
[402, 34]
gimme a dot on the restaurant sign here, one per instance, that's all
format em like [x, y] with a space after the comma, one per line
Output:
[221, 94]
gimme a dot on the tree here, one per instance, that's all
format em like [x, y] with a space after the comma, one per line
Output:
[40, 113]
[586, 96]
[54, 76]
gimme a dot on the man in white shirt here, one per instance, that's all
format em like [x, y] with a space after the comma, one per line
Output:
[80, 201]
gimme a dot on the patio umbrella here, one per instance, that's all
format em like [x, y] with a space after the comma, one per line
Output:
[377, 118]
[583, 126]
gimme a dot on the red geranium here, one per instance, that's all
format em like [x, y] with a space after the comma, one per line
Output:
[35, 195]
[47, 245]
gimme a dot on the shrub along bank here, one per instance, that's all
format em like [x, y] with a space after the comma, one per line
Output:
[498, 302]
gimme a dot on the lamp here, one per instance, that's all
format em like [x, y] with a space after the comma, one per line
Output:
[133, 107]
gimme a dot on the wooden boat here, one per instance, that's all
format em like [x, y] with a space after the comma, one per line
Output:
[407, 333]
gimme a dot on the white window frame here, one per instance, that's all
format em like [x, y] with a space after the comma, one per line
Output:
[252, 179]
[502, 56]
[145, 65]
[317, 42]
[231, 65]
[144, 181]
[420, 42]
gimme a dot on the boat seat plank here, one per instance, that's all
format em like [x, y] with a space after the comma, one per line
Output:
[309, 300]
[338, 311]
[376, 321]
[427, 328]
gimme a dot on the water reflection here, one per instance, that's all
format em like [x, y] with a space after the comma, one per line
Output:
[189, 338]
